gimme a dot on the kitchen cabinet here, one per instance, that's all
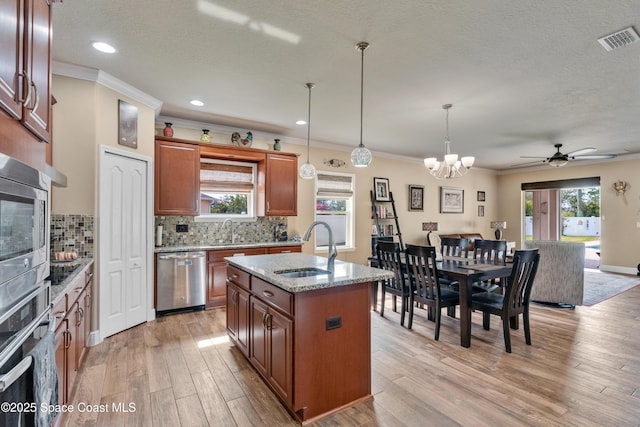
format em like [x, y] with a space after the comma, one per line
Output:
[217, 269]
[25, 77]
[281, 185]
[311, 347]
[73, 321]
[271, 342]
[177, 176]
[238, 309]
[177, 179]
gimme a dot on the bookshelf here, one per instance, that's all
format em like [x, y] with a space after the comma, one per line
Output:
[385, 219]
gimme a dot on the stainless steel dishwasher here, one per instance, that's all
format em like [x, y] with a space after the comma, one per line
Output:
[181, 279]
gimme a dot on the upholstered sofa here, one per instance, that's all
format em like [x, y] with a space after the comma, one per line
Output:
[560, 276]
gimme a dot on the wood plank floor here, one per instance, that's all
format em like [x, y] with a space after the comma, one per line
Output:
[583, 369]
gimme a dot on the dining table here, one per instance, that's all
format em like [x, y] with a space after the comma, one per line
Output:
[465, 271]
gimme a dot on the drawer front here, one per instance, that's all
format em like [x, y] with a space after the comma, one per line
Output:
[272, 295]
[285, 249]
[219, 255]
[239, 277]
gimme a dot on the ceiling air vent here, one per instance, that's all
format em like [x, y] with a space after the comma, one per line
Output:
[619, 39]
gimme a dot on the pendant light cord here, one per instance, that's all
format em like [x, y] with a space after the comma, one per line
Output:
[309, 121]
[362, 46]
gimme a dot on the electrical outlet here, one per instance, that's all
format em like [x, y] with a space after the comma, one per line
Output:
[182, 228]
[334, 323]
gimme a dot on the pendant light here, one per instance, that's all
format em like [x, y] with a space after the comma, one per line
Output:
[307, 171]
[450, 166]
[361, 156]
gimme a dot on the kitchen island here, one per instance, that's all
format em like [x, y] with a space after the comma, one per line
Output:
[309, 337]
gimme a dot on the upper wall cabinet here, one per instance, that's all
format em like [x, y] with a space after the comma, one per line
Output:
[25, 55]
[177, 176]
[281, 188]
[177, 165]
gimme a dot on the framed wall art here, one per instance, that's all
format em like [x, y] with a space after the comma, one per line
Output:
[451, 200]
[381, 188]
[480, 210]
[481, 196]
[416, 197]
[127, 124]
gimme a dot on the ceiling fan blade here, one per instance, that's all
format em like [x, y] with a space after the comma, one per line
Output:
[581, 151]
[594, 157]
[533, 157]
[518, 165]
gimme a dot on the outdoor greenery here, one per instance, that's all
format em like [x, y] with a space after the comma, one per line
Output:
[580, 202]
[230, 204]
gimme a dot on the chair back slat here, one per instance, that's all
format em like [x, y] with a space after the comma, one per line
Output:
[453, 246]
[490, 251]
[423, 271]
[389, 259]
[525, 266]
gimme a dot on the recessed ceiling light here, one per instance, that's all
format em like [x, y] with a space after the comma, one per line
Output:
[103, 47]
[196, 102]
[301, 122]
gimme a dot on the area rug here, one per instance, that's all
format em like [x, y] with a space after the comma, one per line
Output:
[600, 286]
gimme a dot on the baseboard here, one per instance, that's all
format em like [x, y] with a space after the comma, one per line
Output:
[618, 269]
[94, 339]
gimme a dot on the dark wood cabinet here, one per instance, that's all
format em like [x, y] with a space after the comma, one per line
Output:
[271, 347]
[73, 324]
[284, 249]
[281, 186]
[177, 178]
[311, 348]
[238, 316]
[217, 273]
[25, 77]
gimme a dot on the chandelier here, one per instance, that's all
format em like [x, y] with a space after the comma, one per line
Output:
[308, 171]
[450, 166]
[361, 156]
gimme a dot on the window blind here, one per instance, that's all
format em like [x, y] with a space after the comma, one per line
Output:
[225, 177]
[565, 183]
[334, 185]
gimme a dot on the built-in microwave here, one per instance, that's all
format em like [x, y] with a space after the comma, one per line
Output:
[24, 228]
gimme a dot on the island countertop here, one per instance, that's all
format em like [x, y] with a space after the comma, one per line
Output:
[345, 273]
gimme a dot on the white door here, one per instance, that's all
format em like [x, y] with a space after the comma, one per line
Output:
[123, 233]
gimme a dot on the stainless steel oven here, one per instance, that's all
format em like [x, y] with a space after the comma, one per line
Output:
[24, 229]
[25, 301]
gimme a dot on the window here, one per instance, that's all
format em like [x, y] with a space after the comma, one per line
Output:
[227, 189]
[335, 206]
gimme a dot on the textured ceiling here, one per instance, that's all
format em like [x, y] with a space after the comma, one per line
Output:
[521, 75]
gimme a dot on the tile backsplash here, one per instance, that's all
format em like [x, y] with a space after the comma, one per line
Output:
[72, 233]
[210, 233]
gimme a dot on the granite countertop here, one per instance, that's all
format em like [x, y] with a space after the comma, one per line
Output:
[345, 273]
[223, 246]
[57, 291]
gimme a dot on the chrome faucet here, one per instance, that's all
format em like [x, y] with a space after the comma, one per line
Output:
[333, 250]
[233, 236]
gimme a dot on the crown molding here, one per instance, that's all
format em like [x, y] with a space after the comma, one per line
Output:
[106, 80]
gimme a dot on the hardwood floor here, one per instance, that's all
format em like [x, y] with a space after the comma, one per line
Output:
[582, 369]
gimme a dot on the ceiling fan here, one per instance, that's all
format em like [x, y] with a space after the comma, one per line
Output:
[559, 159]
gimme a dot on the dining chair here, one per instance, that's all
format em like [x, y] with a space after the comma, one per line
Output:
[388, 254]
[454, 246]
[489, 252]
[515, 299]
[422, 271]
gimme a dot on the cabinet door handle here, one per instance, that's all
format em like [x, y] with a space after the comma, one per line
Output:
[267, 294]
[268, 208]
[269, 322]
[264, 319]
[35, 89]
[26, 101]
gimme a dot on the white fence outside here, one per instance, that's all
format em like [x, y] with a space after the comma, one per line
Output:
[572, 226]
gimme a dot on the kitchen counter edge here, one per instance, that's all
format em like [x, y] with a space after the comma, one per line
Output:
[58, 291]
[345, 273]
[223, 246]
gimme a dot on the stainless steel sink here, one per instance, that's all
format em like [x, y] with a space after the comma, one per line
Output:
[302, 272]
